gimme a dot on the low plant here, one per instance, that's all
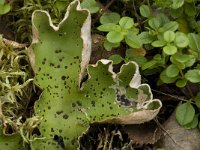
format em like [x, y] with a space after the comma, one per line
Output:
[165, 44]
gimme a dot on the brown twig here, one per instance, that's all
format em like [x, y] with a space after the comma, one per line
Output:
[163, 129]
[169, 95]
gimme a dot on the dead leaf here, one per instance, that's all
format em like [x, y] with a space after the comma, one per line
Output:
[146, 133]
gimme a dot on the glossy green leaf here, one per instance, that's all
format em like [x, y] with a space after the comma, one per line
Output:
[109, 27]
[140, 60]
[190, 9]
[153, 63]
[109, 46]
[169, 36]
[181, 40]
[4, 9]
[181, 83]
[166, 79]
[133, 40]
[158, 43]
[133, 30]
[177, 4]
[154, 23]
[115, 37]
[170, 26]
[185, 113]
[194, 123]
[182, 58]
[91, 5]
[116, 58]
[174, 60]
[111, 17]
[190, 61]
[145, 11]
[172, 71]
[176, 13]
[194, 41]
[126, 22]
[163, 18]
[193, 76]
[170, 49]
[146, 37]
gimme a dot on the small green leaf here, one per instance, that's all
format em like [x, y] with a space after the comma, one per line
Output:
[166, 79]
[181, 40]
[109, 27]
[136, 55]
[185, 113]
[172, 71]
[145, 11]
[158, 43]
[197, 100]
[177, 4]
[190, 9]
[126, 22]
[133, 30]
[146, 37]
[108, 46]
[163, 19]
[91, 5]
[190, 61]
[194, 43]
[192, 124]
[133, 41]
[174, 60]
[169, 36]
[176, 13]
[193, 76]
[110, 18]
[181, 83]
[149, 64]
[116, 59]
[115, 37]
[4, 9]
[170, 26]
[154, 23]
[140, 60]
[182, 58]
[170, 49]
